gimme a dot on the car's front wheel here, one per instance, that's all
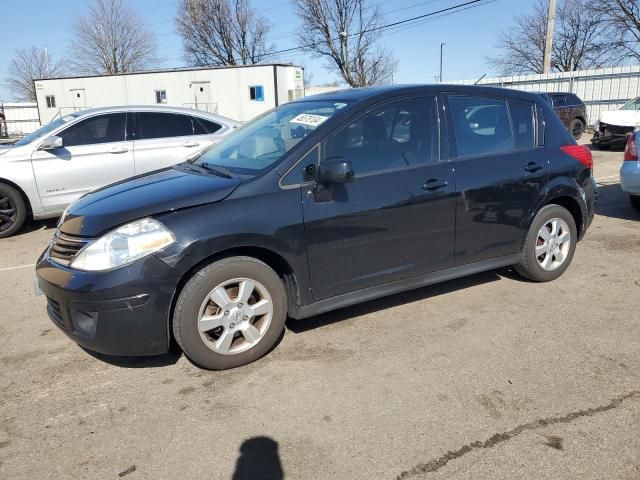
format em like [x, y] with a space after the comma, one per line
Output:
[549, 246]
[13, 211]
[635, 201]
[230, 313]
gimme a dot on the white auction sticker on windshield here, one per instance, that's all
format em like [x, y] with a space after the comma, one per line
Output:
[308, 119]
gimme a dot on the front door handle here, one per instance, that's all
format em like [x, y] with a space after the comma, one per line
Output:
[117, 150]
[190, 144]
[533, 167]
[434, 184]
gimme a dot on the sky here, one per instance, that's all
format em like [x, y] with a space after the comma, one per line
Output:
[470, 35]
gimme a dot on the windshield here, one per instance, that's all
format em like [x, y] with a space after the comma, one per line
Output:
[264, 141]
[45, 129]
[632, 105]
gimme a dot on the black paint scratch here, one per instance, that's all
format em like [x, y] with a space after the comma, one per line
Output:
[436, 464]
[129, 470]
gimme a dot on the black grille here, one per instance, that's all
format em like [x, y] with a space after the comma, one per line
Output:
[65, 247]
[55, 312]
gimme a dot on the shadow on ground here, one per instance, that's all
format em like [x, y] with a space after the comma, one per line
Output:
[164, 360]
[259, 459]
[613, 202]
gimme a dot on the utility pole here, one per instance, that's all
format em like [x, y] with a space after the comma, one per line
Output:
[441, 51]
[46, 60]
[551, 20]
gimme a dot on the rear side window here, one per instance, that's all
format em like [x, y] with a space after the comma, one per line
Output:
[99, 129]
[203, 127]
[163, 125]
[481, 125]
[522, 117]
[559, 100]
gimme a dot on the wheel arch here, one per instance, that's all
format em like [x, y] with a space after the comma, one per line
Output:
[573, 206]
[22, 194]
[274, 260]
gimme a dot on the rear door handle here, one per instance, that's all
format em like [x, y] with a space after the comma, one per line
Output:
[434, 184]
[190, 144]
[533, 167]
[119, 150]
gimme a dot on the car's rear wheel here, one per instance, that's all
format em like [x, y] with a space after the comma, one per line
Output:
[577, 128]
[549, 246]
[13, 211]
[230, 313]
[635, 201]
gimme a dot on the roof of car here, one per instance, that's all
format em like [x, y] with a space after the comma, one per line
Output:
[154, 108]
[364, 93]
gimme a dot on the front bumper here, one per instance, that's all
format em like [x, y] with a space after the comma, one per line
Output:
[120, 312]
[630, 177]
[605, 138]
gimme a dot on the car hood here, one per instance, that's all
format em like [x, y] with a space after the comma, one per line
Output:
[153, 193]
[5, 148]
[621, 118]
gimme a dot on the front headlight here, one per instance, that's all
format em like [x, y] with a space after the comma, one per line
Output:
[124, 245]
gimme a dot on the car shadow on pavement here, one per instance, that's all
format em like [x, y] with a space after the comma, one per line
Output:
[613, 202]
[164, 360]
[372, 306]
[259, 459]
[35, 225]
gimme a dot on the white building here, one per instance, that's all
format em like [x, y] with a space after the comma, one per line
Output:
[240, 93]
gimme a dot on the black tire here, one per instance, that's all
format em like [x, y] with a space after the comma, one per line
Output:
[529, 266]
[635, 201]
[577, 128]
[13, 211]
[194, 293]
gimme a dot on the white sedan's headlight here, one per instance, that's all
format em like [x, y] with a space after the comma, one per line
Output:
[124, 245]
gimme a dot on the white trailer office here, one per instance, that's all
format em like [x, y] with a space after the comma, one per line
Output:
[239, 92]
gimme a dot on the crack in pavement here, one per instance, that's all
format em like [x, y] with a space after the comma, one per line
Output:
[436, 464]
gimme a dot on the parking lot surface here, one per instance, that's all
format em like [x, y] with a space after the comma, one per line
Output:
[484, 377]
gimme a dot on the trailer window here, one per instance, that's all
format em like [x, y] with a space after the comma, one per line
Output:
[256, 93]
[51, 101]
[161, 96]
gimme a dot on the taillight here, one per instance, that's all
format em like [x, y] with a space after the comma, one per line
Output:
[631, 150]
[580, 153]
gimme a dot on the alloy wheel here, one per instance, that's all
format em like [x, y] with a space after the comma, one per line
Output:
[8, 213]
[235, 316]
[553, 244]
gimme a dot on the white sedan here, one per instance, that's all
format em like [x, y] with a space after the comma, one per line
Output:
[47, 170]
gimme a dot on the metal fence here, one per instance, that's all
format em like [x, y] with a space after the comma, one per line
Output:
[601, 90]
[20, 118]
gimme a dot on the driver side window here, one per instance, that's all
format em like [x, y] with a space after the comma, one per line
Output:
[99, 129]
[399, 134]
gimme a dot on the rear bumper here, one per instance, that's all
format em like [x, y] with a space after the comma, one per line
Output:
[630, 177]
[120, 312]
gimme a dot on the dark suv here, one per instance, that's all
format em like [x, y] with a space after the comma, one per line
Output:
[321, 203]
[571, 110]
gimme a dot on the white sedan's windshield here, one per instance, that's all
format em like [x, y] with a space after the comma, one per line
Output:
[42, 131]
[267, 139]
[632, 105]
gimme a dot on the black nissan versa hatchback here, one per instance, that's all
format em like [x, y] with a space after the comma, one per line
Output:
[321, 203]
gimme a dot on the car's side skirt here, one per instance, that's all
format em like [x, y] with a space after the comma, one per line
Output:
[378, 291]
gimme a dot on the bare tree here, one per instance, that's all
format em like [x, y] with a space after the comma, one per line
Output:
[623, 20]
[579, 40]
[221, 32]
[346, 34]
[28, 65]
[111, 38]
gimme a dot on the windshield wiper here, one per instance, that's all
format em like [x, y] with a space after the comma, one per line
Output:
[221, 171]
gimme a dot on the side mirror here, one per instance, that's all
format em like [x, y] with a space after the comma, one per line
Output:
[51, 143]
[335, 170]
